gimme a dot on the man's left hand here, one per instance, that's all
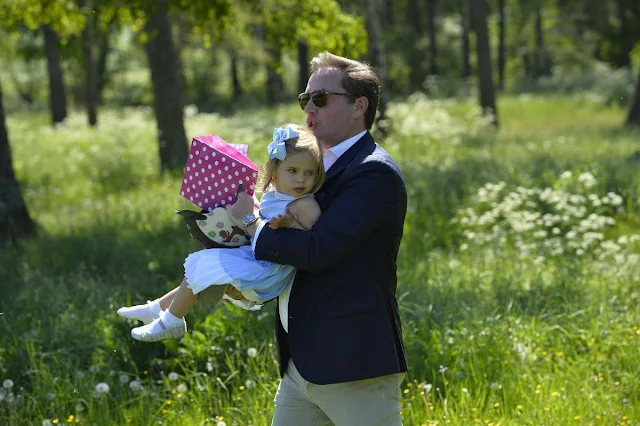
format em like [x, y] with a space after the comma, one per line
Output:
[244, 205]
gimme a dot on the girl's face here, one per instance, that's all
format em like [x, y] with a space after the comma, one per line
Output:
[296, 175]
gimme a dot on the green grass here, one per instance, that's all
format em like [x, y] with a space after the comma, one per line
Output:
[493, 336]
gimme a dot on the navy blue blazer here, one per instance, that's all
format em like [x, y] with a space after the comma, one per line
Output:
[344, 323]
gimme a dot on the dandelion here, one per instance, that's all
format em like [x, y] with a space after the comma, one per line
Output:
[221, 423]
[173, 376]
[47, 422]
[49, 396]
[209, 367]
[252, 352]
[249, 384]
[124, 379]
[102, 388]
[182, 388]
[79, 408]
[94, 369]
[7, 384]
[136, 386]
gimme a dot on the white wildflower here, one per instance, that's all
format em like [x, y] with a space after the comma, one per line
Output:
[566, 175]
[47, 422]
[182, 388]
[102, 388]
[173, 376]
[249, 384]
[587, 179]
[7, 384]
[124, 379]
[79, 407]
[94, 369]
[252, 352]
[136, 386]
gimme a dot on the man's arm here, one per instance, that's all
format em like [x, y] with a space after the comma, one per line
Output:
[371, 198]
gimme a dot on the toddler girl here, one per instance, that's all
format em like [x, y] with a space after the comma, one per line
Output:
[293, 173]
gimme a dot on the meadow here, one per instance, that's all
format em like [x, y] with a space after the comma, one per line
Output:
[519, 271]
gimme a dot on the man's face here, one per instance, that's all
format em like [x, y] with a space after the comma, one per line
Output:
[336, 121]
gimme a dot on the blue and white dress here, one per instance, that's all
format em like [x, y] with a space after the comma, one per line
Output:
[258, 280]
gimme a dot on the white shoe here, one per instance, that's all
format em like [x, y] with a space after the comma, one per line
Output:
[145, 313]
[157, 330]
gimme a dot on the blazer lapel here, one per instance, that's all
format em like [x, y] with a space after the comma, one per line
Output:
[349, 155]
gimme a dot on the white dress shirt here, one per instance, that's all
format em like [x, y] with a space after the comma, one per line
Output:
[329, 158]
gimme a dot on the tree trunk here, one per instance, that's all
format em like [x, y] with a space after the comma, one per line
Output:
[377, 55]
[389, 14]
[101, 66]
[235, 77]
[633, 119]
[275, 84]
[91, 77]
[303, 65]
[466, 61]
[483, 50]
[543, 62]
[168, 99]
[15, 221]
[57, 93]
[413, 16]
[626, 34]
[501, 44]
[433, 45]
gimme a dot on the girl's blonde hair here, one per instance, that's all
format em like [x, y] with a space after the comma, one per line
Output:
[304, 142]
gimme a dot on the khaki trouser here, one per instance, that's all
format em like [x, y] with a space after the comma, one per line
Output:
[368, 402]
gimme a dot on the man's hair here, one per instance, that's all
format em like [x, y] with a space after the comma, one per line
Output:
[359, 79]
[304, 142]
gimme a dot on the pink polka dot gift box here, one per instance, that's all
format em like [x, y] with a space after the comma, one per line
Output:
[214, 170]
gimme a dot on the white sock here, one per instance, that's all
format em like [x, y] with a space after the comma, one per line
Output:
[145, 313]
[170, 320]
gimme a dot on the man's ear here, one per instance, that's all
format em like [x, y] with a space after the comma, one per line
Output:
[360, 106]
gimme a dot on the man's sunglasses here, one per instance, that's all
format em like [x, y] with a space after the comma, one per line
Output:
[319, 98]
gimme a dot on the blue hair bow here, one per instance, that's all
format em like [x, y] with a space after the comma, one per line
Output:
[278, 148]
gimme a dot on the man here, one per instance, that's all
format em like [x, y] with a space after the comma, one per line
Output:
[338, 329]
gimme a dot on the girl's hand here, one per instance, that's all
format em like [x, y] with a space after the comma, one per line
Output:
[281, 221]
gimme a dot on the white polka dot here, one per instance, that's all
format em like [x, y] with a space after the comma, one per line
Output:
[197, 174]
[244, 169]
[202, 170]
[213, 154]
[213, 175]
[230, 198]
[252, 187]
[219, 172]
[219, 192]
[190, 155]
[193, 164]
[206, 157]
[229, 177]
[222, 202]
[224, 159]
[200, 204]
[206, 179]
[182, 193]
[206, 200]
[226, 168]
[210, 209]
[209, 187]
[209, 166]
[247, 178]
[197, 195]
[202, 192]
[215, 184]
[197, 152]
[233, 186]
[226, 190]
[190, 198]
[188, 169]
[199, 161]
[190, 177]
[254, 175]
[193, 186]
[188, 190]
[185, 181]
[204, 148]
[216, 163]
[222, 181]
[236, 173]
[233, 164]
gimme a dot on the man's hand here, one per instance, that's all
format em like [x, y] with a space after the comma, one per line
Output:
[244, 205]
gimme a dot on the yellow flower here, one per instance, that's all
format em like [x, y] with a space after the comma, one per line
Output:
[496, 405]
[576, 417]
[242, 388]
[519, 407]
[55, 421]
[70, 418]
[406, 391]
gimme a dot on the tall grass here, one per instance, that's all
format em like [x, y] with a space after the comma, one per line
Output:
[498, 331]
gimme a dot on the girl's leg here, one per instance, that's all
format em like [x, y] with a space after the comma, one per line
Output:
[165, 301]
[183, 300]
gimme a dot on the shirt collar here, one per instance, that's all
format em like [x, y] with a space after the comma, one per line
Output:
[342, 147]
